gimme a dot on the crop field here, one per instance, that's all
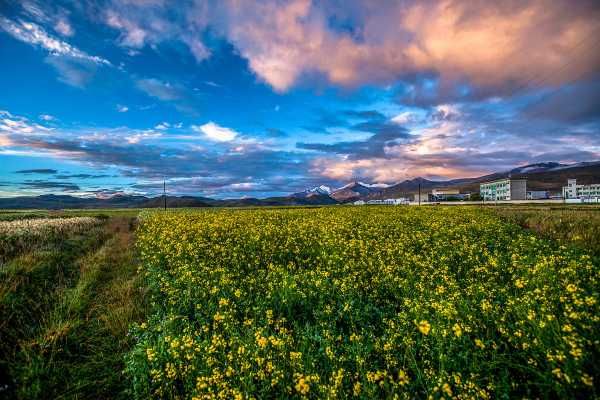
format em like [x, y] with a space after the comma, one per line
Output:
[364, 302]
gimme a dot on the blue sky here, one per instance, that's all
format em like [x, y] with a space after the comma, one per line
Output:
[239, 98]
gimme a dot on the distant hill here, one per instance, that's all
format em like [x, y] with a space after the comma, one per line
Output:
[551, 176]
[354, 191]
[176, 202]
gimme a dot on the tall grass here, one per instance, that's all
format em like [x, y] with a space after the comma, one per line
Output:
[66, 313]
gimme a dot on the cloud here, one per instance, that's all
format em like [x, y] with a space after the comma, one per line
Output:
[75, 67]
[40, 184]
[11, 124]
[133, 35]
[142, 23]
[122, 109]
[476, 49]
[275, 133]
[49, 13]
[37, 171]
[35, 35]
[47, 117]
[495, 46]
[163, 126]
[64, 27]
[571, 103]
[139, 136]
[159, 89]
[384, 134]
[82, 176]
[77, 72]
[215, 132]
[457, 141]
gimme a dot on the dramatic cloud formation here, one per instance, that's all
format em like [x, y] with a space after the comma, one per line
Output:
[488, 45]
[240, 97]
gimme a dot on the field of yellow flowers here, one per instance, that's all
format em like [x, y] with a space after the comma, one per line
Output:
[365, 302]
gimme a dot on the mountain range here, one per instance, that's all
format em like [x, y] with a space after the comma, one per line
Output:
[550, 176]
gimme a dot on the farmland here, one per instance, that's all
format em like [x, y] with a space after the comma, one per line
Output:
[325, 302]
[366, 302]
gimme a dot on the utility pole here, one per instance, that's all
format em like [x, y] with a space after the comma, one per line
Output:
[165, 193]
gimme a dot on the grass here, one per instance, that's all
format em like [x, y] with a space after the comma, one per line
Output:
[568, 225]
[66, 313]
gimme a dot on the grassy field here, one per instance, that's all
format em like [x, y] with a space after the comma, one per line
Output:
[332, 302]
[68, 294]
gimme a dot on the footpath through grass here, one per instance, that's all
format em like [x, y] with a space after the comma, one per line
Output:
[65, 310]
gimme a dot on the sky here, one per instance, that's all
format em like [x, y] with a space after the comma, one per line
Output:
[240, 98]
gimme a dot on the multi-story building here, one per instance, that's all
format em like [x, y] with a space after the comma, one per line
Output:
[575, 191]
[504, 189]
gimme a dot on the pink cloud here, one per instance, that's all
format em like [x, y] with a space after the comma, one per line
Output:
[485, 43]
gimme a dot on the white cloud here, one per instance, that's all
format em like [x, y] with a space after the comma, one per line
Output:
[138, 137]
[47, 117]
[122, 109]
[159, 89]
[133, 35]
[163, 126]
[404, 118]
[35, 35]
[64, 28]
[11, 124]
[215, 132]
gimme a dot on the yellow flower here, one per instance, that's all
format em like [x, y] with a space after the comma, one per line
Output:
[571, 288]
[447, 389]
[479, 344]
[457, 330]
[223, 302]
[424, 327]
[587, 380]
[262, 341]
[150, 354]
[301, 386]
[519, 284]
[402, 378]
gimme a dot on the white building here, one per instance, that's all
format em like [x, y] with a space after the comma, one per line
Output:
[504, 189]
[575, 191]
[359, 203]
